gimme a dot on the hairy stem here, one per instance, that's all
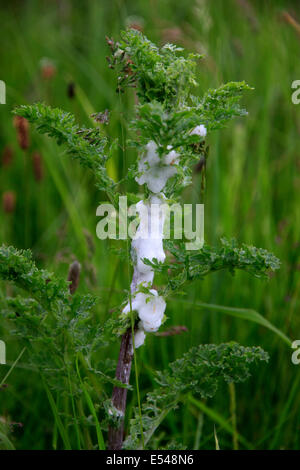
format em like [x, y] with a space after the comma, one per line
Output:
[119, 396]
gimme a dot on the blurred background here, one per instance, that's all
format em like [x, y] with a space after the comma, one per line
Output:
[54, 51]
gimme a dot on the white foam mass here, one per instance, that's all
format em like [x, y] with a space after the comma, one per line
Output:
[139, 278]
[199, 130]
[150, 307]
[139, 337]
[155, 172]
[148, 240]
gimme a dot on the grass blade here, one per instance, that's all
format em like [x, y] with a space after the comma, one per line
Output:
[90, 404]
[57, 418]
[216, 439]
[216, 417]
[12, 367]
[244, 314]
[6, 442]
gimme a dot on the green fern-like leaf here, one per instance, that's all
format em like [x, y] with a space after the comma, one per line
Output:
[160, 74]
[200, 372]
[18, 266]
[193, 265]
[55, 326]
[85, 145]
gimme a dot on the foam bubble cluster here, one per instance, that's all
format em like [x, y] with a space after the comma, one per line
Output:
[154, 171]
[199, 130]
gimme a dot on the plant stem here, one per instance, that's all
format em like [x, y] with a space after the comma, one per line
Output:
[119, 395]
[233, 416]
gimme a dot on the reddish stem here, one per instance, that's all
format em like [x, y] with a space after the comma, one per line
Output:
[119, 395]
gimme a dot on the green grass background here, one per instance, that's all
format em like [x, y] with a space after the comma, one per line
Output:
[252, 193]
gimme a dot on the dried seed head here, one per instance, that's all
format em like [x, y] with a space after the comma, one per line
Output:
[22, 127]
[48, 72]
[200, 165]
[14, 424]
[38, 169]
[174, 330]
[7, 156]
[110, 42]
[71, 90]
[127, 69]
[138, 27]
[74, 276]
[48, 69]
[173, 35]
[102, 118]
[135, 22]
[9, 201]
